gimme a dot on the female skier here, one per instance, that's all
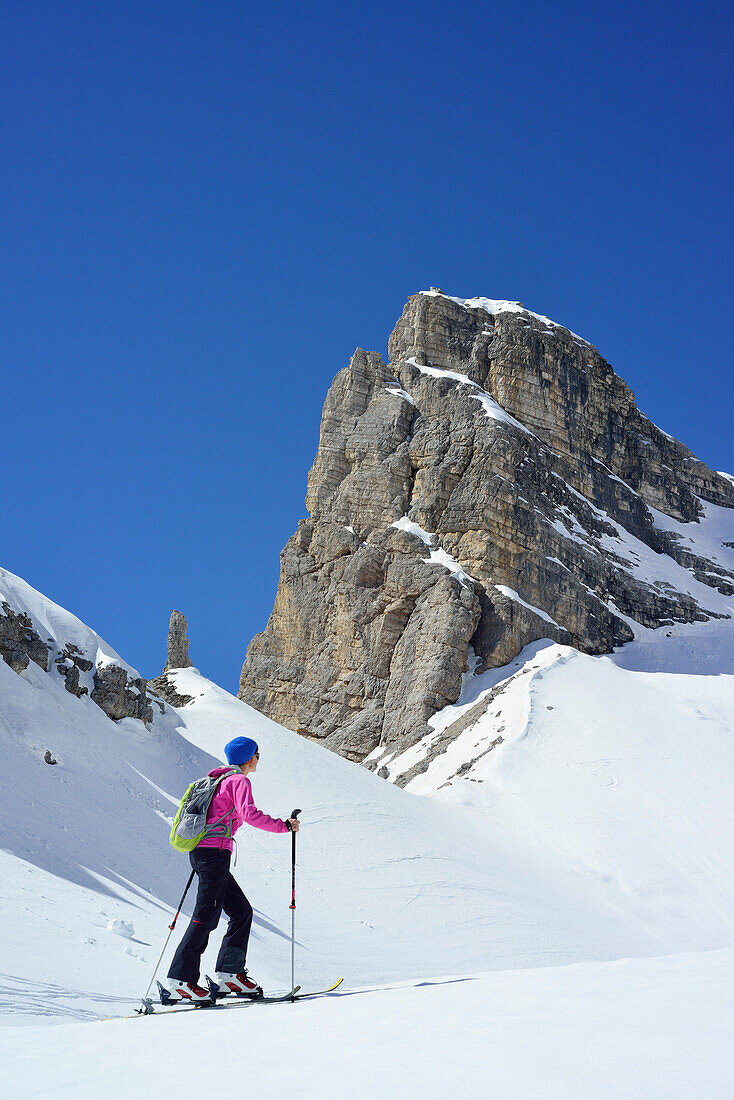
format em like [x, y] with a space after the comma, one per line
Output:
[218, 890]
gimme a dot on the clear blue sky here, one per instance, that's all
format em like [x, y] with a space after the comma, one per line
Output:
[205, 207]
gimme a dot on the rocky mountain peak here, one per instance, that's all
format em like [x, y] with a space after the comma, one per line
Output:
[492, 484]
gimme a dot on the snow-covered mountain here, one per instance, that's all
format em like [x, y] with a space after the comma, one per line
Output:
[546, 910]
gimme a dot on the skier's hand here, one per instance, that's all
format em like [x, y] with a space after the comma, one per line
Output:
[294, 824]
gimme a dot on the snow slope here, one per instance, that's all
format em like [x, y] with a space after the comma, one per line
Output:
[554, 920]
[623, 775]
[619, 766]
[385, 878]
[656, 1029]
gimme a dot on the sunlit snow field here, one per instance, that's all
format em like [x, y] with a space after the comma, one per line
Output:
[556, 922]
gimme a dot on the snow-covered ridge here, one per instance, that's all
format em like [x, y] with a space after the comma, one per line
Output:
[56, 625]
[493, 306]
[34, 629]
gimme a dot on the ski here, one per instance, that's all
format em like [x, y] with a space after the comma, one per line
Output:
[222, 1002]
[292, 995]
[268, 999]
[296, 996]
[150, 1009]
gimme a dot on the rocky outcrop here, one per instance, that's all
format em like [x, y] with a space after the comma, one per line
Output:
[121, 696]
[164, 687]
[493, 484]
[70, 663]
[116, 692]
[19, 642]
[178, 642]
[178, 657]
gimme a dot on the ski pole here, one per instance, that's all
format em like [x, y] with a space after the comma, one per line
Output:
[293, 910]
[147, 1005]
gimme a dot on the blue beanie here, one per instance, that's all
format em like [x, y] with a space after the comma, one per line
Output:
[240, 750]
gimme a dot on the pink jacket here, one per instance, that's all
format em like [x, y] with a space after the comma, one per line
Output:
[234, 795]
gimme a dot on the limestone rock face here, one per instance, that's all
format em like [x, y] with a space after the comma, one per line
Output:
[119, 696]
[178, 657]
[493, 484]
[178, 642]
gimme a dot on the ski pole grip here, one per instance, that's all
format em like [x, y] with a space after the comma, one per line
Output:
[295, 813]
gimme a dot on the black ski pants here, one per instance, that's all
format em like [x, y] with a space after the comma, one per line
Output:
[217, 891]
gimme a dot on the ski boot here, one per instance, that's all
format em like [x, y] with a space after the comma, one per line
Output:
[176, 992]
[241, 985]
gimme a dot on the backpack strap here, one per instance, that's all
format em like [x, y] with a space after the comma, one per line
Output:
[222, 827]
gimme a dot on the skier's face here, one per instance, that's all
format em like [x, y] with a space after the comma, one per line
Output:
[251, 765]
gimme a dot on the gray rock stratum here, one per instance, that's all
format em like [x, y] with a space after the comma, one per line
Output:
[492, 484]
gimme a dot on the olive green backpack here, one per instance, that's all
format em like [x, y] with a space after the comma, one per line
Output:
[190, 826]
